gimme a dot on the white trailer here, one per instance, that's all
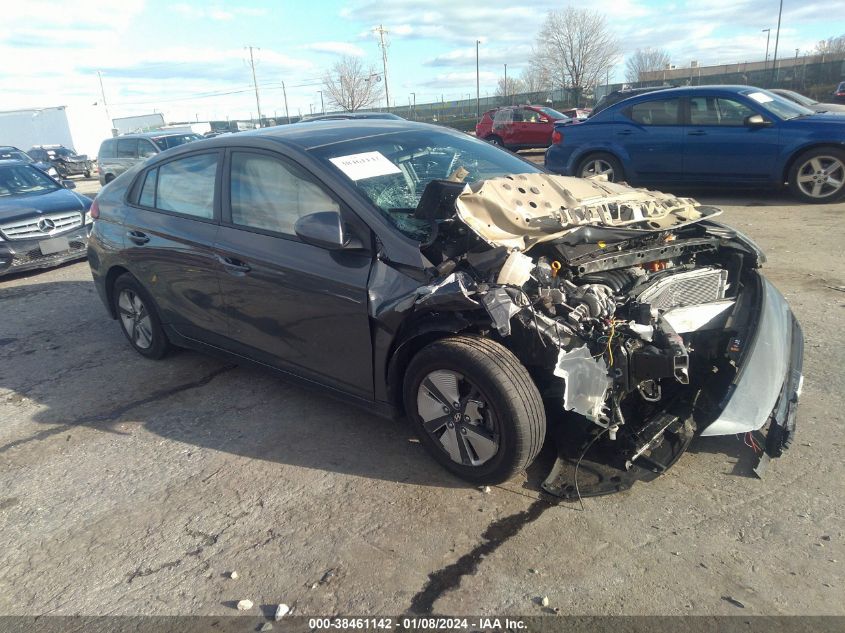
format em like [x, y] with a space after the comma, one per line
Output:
[36, 126]
[140, 123]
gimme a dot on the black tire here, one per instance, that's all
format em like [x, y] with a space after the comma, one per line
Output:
[86, 174]
[807, 178]
[585, 169]
[512, 409]
[495, 140]
[127, 287]
[108, 178]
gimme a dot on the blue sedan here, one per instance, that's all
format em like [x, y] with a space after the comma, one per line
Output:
[708, 135]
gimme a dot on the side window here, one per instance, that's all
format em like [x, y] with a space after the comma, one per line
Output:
[267, 194]
[530, 116]
[148, 191]
[146, 148]
[718, 111]
[186, 185]
[107, 149]
[656, 112]
[127, 148]
[503, 116]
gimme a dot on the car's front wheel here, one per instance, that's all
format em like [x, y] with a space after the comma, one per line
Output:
[475, 408]
[138, 318]
[818, 175]
[601, 165]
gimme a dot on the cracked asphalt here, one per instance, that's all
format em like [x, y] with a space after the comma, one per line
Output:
[130, 486]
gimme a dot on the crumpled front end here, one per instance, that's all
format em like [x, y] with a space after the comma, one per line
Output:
[641, 319]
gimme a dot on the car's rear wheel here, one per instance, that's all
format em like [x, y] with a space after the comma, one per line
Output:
[475, 408]
[601, 164]
[138, 318]
[818, 175]
[108, 178]
[495, 140]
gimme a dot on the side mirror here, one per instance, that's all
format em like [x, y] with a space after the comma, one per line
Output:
[326, 229]
[756, 120]
[68, 184]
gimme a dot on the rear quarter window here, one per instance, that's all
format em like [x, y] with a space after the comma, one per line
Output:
[107, 149]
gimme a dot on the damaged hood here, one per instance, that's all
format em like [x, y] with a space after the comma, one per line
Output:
[522, 210]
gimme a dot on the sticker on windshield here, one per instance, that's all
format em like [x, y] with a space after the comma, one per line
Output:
[759, 97]
[365, 165]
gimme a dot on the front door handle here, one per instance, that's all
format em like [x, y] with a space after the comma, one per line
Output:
[138, 237]
[624, 133]
[697, 133]
[234, 266]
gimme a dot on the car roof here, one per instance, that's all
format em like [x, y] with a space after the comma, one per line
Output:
[5, 162]
[685, 91]
[304, 136]
[153, 134]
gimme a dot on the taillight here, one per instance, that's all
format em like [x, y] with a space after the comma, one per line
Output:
[557, 137]
[94, 211]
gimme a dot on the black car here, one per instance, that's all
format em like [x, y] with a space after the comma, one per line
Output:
[412, 268]
[66, 161]
[9, 152]
[42, 223]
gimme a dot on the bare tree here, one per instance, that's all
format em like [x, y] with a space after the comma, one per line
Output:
[645, 60]
[831, 46]
[350, 86]
[576, 48]
[514, 86]
[535, 78]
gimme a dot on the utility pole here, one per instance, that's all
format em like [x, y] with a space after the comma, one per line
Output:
[255, 85]
[506, 84]
[322, 105]
[381, 33]
[414, 95]
[285, 93]
[103, 94]
[477, 84]
[768, 33]
[777, 39]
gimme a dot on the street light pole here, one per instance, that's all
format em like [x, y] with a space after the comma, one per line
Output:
[777, 40]
[255, 85]
[285, 93]
[768, 33]
[414, 96]
[103, 94]
[506, 84]
[477, 83]
[322, 105]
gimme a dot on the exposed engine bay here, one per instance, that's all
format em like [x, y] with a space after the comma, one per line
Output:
[632, 309]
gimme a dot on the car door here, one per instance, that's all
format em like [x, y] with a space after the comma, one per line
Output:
[171, 227]
[536, 128]
[651, 134]
[292, 305]
[720, 147]
[503, 125]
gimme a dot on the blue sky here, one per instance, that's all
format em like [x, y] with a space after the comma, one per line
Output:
[157, 55]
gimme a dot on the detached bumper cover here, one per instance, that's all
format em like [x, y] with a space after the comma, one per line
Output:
[768, 384]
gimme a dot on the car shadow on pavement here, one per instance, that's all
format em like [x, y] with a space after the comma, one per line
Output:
[731, 448]
[85, 375]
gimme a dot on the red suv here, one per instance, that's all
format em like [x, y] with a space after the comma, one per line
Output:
[519, 127]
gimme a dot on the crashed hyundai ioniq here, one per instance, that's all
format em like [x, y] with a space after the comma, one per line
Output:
[416, 270]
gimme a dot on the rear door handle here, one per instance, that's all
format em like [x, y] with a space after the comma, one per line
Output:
[138, 237]
[624, 133]
[234, 266]
[697, 133]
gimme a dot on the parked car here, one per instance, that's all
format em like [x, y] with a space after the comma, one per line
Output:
[519, 127]
[616, 96]
[812, 104]
[65, 160]
[839, 93]
[411, 268]
[9, 152]
[579, 114]
[709, 135]
[118, 154]
[42, 222]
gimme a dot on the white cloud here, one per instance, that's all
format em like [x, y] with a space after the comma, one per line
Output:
[215, 12]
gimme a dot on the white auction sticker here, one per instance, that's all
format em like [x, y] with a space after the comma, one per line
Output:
[365, 165]
[759, 97]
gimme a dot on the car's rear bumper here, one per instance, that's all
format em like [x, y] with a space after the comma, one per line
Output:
[768, 383]
[22, 255]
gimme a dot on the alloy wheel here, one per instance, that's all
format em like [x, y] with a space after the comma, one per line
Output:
[457, 418]
[597, 167]
[821, 176]
[135, 319]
